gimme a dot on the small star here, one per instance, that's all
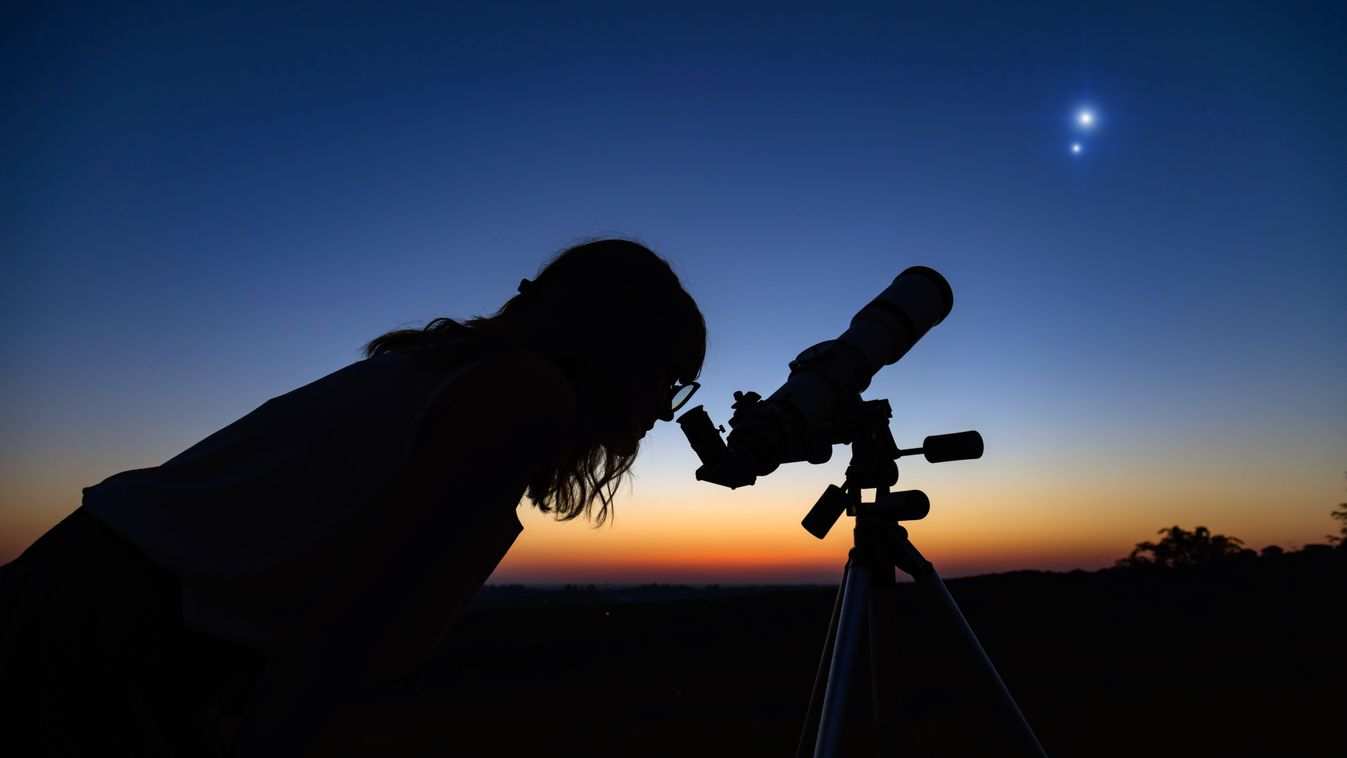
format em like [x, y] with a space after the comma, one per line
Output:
[1085, 118]
[1075, 148]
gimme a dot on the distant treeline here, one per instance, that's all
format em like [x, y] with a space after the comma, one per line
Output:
[1179, 548]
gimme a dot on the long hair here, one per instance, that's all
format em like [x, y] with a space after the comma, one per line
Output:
[609, 303]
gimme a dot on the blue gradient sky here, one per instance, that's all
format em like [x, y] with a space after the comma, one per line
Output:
[206, 208]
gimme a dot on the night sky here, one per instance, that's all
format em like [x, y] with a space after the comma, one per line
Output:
[203, 209]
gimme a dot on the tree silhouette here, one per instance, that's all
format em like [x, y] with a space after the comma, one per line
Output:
[1339, 539]
[1182, 548]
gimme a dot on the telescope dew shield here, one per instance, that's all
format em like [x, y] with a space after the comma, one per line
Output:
[888, 326]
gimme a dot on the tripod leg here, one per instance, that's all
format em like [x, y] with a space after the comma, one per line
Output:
[884, 666]
[924, 573]
[850, 623]
[809, 733]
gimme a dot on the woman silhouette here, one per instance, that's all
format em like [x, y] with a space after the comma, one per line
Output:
[241, 594]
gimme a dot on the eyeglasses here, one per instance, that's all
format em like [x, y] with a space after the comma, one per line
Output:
[679, 395]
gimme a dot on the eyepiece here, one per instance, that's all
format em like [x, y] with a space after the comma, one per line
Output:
[702, 435]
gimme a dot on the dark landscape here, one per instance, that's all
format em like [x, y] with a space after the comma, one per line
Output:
[1239, 656]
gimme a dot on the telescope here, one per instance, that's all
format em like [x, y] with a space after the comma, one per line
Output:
[818, 406]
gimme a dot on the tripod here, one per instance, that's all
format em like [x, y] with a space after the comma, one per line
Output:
[869, 589]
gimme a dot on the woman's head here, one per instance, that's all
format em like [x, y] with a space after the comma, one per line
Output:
[615, 319]
[613, 299]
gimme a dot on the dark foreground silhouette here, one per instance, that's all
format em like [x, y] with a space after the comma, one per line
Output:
[1239, 658]
[231, 599]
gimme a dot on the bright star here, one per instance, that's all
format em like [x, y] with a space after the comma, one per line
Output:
[1085, 118]
[1075, 148]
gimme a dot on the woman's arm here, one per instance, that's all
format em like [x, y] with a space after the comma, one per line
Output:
[477, 449]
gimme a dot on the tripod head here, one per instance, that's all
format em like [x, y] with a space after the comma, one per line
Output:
[862, 424]
[874, 465]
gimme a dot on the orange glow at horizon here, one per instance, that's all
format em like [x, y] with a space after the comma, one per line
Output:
[987, 516]
[980, 523]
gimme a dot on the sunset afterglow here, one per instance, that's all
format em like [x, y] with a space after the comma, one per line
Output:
[1146, 250]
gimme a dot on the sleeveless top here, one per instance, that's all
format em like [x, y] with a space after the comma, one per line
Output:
[246, 508]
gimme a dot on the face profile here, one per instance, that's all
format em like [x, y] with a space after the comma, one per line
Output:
[643, 403]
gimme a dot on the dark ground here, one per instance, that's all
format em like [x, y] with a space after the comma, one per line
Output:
[1247, 657]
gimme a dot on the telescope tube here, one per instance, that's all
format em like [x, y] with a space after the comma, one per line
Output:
[778, 429]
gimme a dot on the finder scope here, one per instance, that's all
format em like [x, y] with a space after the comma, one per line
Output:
[811, 412]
